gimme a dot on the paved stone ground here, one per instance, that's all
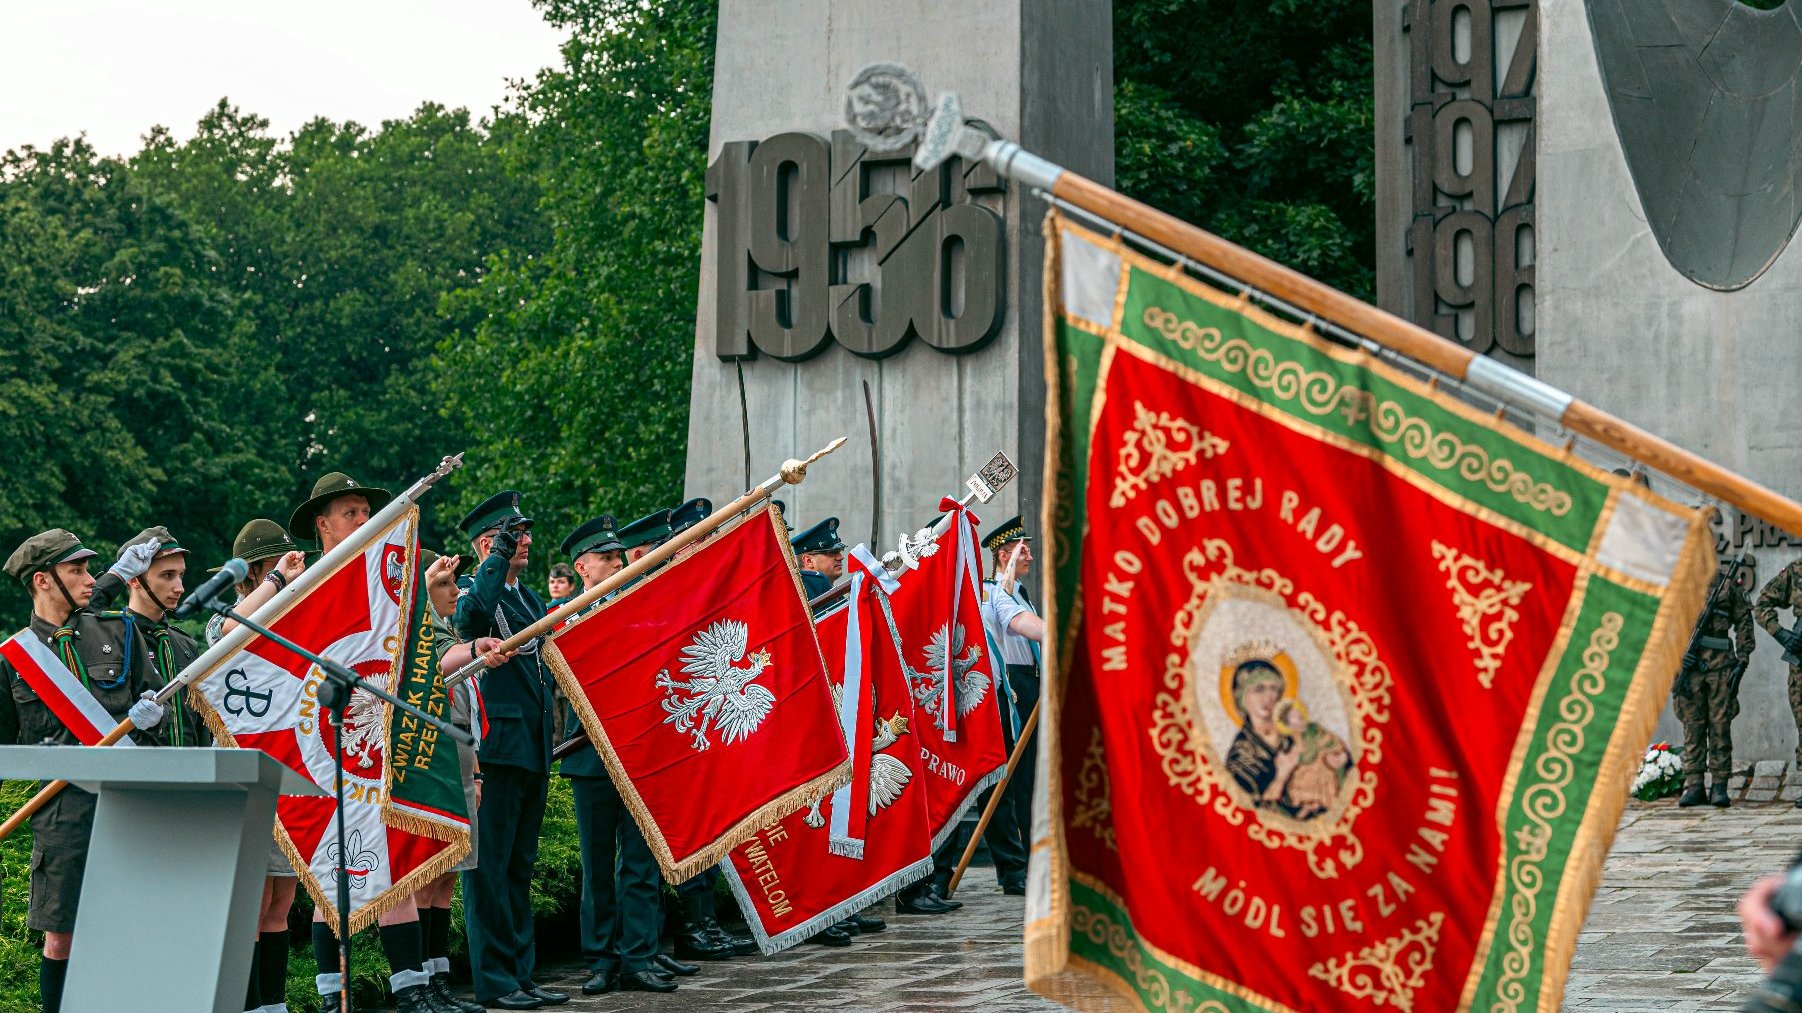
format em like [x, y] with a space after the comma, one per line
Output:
[1661, 936]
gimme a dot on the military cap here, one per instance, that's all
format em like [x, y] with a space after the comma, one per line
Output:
[166, 545]
[329, 487]
[1011, 530]
[822, 537]
[689, 514]
[43, 551]
[598, 535]
[493, 512]
[427, 557]
[782, 514]
[652, 527]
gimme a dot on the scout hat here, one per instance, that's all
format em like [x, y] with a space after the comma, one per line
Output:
[1011, 530]
[822, 537]
[166, 545]
[260, 538]
[44, 550]
[652, 527]
[689, 514]
[598, 535]
[427, 557]
[329, 487]
[492, 514]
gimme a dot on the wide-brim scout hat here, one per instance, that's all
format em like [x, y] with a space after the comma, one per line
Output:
[260, 538]
[598, 535]
[329, 487]
[822, 537]
[1011, 530]
[493, 513]
[689, 514]
[43, 551]
[652, 527]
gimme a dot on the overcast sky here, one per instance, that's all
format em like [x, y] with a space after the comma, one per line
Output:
[114, 68]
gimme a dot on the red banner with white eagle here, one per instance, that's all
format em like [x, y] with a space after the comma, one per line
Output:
[937, 618]
[795, 877]
[703, 689]
[362, 614]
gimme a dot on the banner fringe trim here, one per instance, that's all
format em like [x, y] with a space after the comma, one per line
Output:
[769, 945]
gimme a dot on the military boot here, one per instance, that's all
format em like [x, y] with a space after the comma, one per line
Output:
[415, 999]
[1692, 795]
[1717, 796]
[440, 986]
[329, 1003]
[695, 942]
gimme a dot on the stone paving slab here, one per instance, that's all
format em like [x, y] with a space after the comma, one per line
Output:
[1661, 935]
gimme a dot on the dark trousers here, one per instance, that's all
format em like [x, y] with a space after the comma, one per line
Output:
[497, 894]
[1015, 810]
[620, 891]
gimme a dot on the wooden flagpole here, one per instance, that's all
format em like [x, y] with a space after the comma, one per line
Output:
[792, 473]
[988, 811]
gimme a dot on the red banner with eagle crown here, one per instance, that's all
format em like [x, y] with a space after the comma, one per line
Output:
[403, 817]
[703, 689]
[1349, 681]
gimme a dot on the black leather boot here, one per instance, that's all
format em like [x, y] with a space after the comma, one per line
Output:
[1717, 797]
[695, 942]
[440, 986]
[413, 999]
[1692, 795]
[674, 966]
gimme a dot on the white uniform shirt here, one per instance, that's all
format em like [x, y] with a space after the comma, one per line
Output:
[998, 613]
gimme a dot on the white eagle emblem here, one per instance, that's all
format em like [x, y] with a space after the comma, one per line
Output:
[719, 695]
[888, 775]
[929, 685]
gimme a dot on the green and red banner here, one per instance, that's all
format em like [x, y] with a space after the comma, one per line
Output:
[1349, 680]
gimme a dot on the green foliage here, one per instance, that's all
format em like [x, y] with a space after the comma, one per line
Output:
[19, 948]
[1254, 120]
[574, 386]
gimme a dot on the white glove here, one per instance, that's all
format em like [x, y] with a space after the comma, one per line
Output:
[146, 713]
[134, 560]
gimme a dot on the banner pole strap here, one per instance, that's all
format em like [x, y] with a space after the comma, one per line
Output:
[1481, 373]
[792, 473]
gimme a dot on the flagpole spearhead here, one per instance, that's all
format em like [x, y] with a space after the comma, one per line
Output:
[794, 471]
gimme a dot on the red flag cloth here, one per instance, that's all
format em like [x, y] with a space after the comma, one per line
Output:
[937, 614]
[703, 689]
[789, 881]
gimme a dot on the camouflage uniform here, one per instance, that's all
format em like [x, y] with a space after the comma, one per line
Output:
[1706, 700]
[1784, 592]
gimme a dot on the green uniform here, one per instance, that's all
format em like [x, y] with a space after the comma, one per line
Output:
[1708, 701]
[1784, 591]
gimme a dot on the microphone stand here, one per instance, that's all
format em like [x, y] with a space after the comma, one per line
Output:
[334, 695]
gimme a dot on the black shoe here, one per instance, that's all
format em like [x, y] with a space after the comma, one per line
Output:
[742, 946]
[441, 987]
[646, 980]
[943, 898]
[830, 936]
[435, 1003]
[924, 904]
[674, 966]
[1718, 796]
[548, 997]
[868, 922]
[1693, 795]
[1014, 889]
[413, 999]
[601, 982]
[849, 927]
[661, 973]
[515, 999]
[330, 1003]
[697, 941]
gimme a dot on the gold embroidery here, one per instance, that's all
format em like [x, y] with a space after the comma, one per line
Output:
[1544, 801]
[1388, 972]
[1153, 987]
[1487, 612]
[1320, 393]
[1191, 764]
[1157, 447]
[1094, 799]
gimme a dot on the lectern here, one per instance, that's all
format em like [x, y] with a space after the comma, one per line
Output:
[175, 870]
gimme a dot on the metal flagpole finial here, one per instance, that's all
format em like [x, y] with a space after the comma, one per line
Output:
[794, 471]
[447, 465]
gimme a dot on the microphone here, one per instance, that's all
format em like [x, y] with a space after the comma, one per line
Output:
[233, 572]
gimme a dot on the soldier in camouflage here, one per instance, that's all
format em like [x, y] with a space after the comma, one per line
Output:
[1706, 698]
[1785, 592]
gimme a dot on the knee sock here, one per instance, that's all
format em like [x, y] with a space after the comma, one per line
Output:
[437, 939]
[325, 949]
[253, 989]
[403, 944]
[50, 983]
[272, 968]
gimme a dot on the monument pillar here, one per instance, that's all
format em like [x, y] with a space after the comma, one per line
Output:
[826, 266]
